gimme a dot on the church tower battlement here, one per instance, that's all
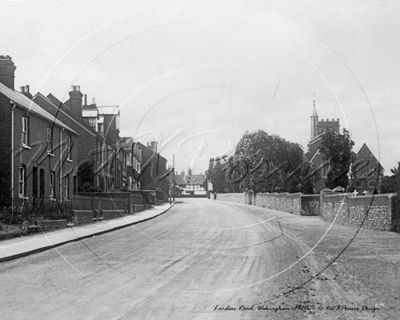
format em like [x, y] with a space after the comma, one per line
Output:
[319, 127]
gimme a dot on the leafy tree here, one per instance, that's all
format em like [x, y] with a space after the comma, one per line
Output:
[391, 184]
[217, 174]
[264, 163]
[86, 177]
[336, 149]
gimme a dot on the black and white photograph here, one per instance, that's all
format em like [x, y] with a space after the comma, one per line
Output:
[207, 160]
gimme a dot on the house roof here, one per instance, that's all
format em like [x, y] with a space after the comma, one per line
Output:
[24, 102]
[59, 106]
[194, 179]
[365, 153]
[147, 153]
[108, 109]
[89, 113]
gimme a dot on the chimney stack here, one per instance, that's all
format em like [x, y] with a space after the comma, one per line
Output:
[25, 91]
[75, 100]
[154, 146]
[7, 69]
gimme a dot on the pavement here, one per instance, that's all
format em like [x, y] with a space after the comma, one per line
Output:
[25, 245]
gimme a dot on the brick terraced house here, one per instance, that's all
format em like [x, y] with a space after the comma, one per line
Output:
[38, 152]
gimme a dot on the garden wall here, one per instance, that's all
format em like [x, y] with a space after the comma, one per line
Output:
[231, 197]
[287, 202]
[89, 208]
[378, 212]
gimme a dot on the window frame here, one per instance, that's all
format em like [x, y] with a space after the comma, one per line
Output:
[66, 187]
[68, 148]
[49, 139]
[372, 183]
[52, 180]
[25, 131]
[22, 181]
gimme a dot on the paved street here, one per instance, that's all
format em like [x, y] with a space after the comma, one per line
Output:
[192, 262]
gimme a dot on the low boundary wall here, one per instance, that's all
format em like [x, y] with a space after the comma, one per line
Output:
[89, 208]
[378, 212]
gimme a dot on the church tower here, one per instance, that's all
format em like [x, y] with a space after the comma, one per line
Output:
[314, 121]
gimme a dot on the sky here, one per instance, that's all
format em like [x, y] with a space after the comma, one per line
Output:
[196, 75]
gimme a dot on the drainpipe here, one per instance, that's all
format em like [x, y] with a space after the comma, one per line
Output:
[12, 152]
[60, 164]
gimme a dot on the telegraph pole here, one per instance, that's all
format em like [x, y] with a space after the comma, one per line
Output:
[173, 177]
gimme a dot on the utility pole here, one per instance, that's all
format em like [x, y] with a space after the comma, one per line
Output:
[173, 177]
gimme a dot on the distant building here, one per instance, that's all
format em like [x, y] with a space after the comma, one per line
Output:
[134, 160]
[367, 179]
[191, 184]
[102, 163]
[154, 172]
[370, 175]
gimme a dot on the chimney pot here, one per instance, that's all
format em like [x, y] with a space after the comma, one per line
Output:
[22, 89]
[94, 101]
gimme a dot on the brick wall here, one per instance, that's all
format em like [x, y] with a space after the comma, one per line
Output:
[231, 197]
[310, 205]
[36, 156]
[90, 142]
[379, 212]
[5, 147]
[287, 202]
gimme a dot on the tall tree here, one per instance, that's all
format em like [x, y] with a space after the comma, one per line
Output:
[216, 174]
[264, 163]
[336, 149]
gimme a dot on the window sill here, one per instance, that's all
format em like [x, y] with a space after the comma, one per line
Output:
[26, 147]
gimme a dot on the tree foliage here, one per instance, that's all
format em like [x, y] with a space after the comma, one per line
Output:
[86, 182]
[337, 151]
[268, 163]
[217, 175]
[391, 184]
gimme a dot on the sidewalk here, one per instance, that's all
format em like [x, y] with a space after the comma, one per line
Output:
[19, 247]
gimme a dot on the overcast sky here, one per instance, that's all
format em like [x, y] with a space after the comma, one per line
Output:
[195, 75]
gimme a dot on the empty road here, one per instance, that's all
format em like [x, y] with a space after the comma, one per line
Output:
[201, 260]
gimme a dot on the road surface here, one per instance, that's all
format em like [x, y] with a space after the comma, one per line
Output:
[202, 259]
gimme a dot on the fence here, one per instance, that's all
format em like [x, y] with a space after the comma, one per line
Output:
[32, 209]
[83, 208]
